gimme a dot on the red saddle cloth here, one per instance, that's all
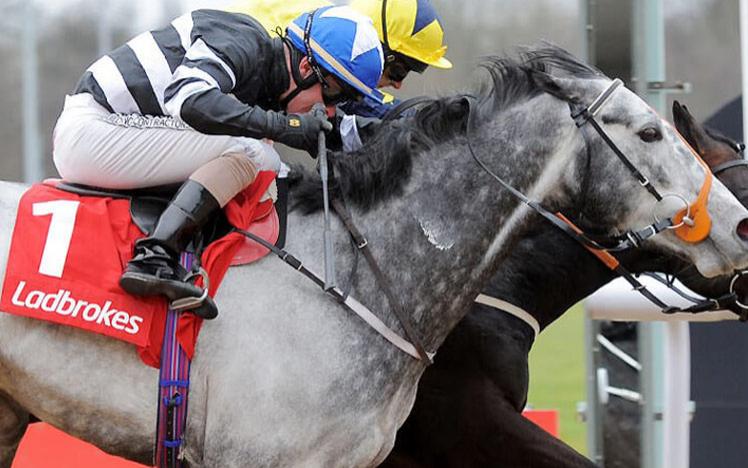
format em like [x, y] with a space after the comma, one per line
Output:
[68, 252]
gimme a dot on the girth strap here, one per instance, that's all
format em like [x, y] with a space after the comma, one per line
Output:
[173, 393]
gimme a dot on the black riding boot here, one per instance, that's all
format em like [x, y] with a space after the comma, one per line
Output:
[155, 269]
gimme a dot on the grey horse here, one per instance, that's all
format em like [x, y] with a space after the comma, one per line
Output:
[286, 376]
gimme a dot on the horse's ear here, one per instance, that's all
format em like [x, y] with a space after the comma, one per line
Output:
[687, 126]
[561, 88]
[458, 109]
[459, 106]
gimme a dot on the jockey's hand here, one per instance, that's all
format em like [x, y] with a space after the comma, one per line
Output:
[263, 155]
[301, 131]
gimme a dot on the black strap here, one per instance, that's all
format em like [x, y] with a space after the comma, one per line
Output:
[281, 207]
[397, 111]
[628, 240]
[397, 307]
[308, 47]
[729, 165]
[296, 264]
[700, 305]
[583, 116]
[385, 39]
[625, 241]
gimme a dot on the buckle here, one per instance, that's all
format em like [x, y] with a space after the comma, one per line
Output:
[581, 117]
[363, 244]
[634, 238]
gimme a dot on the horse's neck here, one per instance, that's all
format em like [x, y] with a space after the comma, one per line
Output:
[546, 273]
[443, 239]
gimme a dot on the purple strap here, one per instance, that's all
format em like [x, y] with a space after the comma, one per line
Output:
[174, 382]
[172, 443]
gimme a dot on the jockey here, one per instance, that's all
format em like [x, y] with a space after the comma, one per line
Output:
[410, 31]
[191, 102]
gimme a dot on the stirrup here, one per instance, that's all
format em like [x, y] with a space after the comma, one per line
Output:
[202, 306]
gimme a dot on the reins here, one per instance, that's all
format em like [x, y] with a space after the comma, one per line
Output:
[415, 350]
[634, 238]
[630, 239]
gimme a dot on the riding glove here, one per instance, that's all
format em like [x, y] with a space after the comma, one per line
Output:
[300, 131]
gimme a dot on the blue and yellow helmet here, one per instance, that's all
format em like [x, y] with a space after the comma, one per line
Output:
[344, 43]
[409, 27]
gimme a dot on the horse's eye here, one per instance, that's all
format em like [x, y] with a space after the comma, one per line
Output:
[650, 134]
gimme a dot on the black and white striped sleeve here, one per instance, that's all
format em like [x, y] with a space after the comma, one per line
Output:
[217, 56]
[201, 69]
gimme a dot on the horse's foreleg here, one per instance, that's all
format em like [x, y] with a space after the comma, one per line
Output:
[13, 423]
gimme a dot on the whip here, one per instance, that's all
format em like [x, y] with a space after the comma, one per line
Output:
[318, 110]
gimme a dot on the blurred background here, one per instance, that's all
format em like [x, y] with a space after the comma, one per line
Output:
[47, 46]
[702, 48]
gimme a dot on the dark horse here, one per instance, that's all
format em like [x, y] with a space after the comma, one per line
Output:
[622, 418]
[468, 408]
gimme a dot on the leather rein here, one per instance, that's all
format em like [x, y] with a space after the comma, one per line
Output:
[692, 224]
[683, 223]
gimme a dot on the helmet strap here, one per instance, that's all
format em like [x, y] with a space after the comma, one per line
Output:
[308, 46]
[301, 83]
[385, 40]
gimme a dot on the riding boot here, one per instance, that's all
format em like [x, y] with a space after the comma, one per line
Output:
[155, 268]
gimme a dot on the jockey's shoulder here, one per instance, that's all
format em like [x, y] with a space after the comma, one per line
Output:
[274, 14]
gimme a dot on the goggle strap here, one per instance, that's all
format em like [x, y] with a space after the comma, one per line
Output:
[385, 40]
[309, 54]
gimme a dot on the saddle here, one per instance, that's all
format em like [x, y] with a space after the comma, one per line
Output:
[147, 204]
[71, 242]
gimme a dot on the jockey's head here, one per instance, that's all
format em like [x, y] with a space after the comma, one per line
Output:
[335, 57]
[411, 34]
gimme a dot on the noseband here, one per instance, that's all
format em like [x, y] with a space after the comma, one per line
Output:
[729, 165]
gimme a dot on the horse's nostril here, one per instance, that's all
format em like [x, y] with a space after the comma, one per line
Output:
[743, 229]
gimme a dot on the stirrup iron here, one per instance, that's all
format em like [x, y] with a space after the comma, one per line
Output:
[192, 302]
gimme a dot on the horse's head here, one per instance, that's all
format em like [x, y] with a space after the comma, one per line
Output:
[725, 158]
[633, 169]
[722, 154]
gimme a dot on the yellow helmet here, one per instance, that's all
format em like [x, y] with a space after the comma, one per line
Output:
[409, 27]
[273, 14]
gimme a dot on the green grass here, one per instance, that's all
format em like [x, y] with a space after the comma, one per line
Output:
[557, 374]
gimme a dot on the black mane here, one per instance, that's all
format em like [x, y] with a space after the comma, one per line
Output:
[380, 169]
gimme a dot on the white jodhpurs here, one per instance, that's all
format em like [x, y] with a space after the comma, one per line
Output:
[95, 147]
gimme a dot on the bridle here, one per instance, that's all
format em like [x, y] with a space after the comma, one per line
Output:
[415, 346]
[691, 224]
[719, 168]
